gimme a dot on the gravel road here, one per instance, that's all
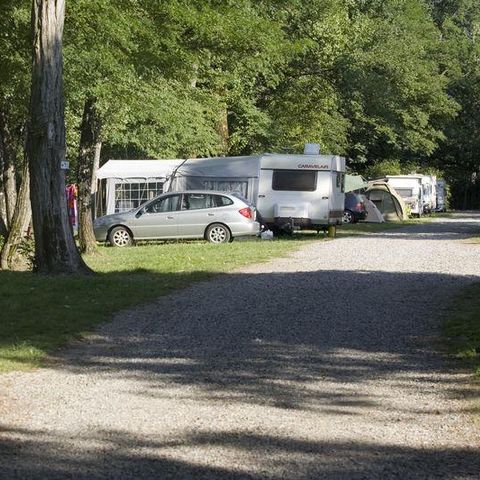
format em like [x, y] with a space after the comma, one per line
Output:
[321, 365]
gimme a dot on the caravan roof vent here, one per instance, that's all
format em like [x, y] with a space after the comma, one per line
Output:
[311, 149]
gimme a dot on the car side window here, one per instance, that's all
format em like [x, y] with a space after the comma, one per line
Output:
[164, 204]
[196, 201]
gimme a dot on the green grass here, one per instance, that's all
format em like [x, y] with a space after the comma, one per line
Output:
[41, 313]
[462, 328]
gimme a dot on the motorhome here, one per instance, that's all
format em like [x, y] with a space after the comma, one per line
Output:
[410, 188]
[304, 191]
[441, 196]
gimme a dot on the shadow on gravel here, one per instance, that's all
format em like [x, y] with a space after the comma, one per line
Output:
[301, 342]
[285, 340]
[121, 456]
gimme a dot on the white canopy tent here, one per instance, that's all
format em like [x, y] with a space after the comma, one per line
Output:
[126, 184]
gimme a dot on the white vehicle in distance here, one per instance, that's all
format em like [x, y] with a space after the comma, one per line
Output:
[410, 188]
[217, 217]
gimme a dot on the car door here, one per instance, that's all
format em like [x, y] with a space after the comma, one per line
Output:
[197, 211]
[158, 219]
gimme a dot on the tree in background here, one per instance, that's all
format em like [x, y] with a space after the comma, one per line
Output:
[458, 155]
[15, 216]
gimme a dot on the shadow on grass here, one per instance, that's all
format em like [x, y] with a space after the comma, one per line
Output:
[41, 313]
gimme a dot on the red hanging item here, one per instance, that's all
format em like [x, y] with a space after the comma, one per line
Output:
[71, 194]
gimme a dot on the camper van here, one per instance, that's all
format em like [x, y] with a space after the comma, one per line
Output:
[290, 192]
[410, 188]
[441, 196]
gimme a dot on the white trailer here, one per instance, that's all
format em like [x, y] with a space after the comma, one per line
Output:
[441, 196]
[429, 185]
[410, 188]
[303, 191]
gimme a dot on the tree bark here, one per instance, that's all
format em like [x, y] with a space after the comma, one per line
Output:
[7, 150]
[55, 249]
[89, 139]
[10, 257]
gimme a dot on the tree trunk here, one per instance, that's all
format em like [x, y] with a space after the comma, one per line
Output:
[8, 169]
[223, 131]
[55, 249]
[10, 257]
[90, 132]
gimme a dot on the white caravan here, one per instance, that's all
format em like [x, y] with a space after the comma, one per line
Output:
[410, 188]
[441, 194]
[429, 185]
[303, 191]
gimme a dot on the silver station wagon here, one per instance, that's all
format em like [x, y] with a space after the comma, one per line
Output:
[215, 216]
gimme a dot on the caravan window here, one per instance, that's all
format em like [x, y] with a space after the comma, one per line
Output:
[294, 180]
[239, 186]
[405, 192]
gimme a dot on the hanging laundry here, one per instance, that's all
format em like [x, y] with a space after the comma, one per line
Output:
[71, 194]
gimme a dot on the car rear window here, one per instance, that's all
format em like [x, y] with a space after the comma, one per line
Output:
[294, 180]
[221, 201]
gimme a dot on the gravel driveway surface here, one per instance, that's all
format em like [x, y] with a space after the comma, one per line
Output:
[319, 365]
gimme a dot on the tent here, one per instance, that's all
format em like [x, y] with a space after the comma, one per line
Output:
[126, 184]
[373, 213]
[387, 200]
[354, 182]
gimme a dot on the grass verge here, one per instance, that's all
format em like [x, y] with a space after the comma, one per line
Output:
[462, 328]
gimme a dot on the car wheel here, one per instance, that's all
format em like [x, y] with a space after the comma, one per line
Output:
[120, 237]
[218, 233]
[348, 217]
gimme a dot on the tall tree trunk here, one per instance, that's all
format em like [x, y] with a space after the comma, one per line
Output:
[3, 214]
[55, 249]
[10, 257]
[89, 138]
[7, 149]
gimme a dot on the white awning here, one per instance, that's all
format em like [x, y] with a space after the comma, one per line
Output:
[123, 169]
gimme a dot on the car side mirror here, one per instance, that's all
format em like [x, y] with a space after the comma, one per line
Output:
[140, 213]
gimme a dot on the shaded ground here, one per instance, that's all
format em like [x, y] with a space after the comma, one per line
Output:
[321, 365]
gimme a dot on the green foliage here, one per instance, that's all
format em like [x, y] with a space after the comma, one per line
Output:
[377, 80]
